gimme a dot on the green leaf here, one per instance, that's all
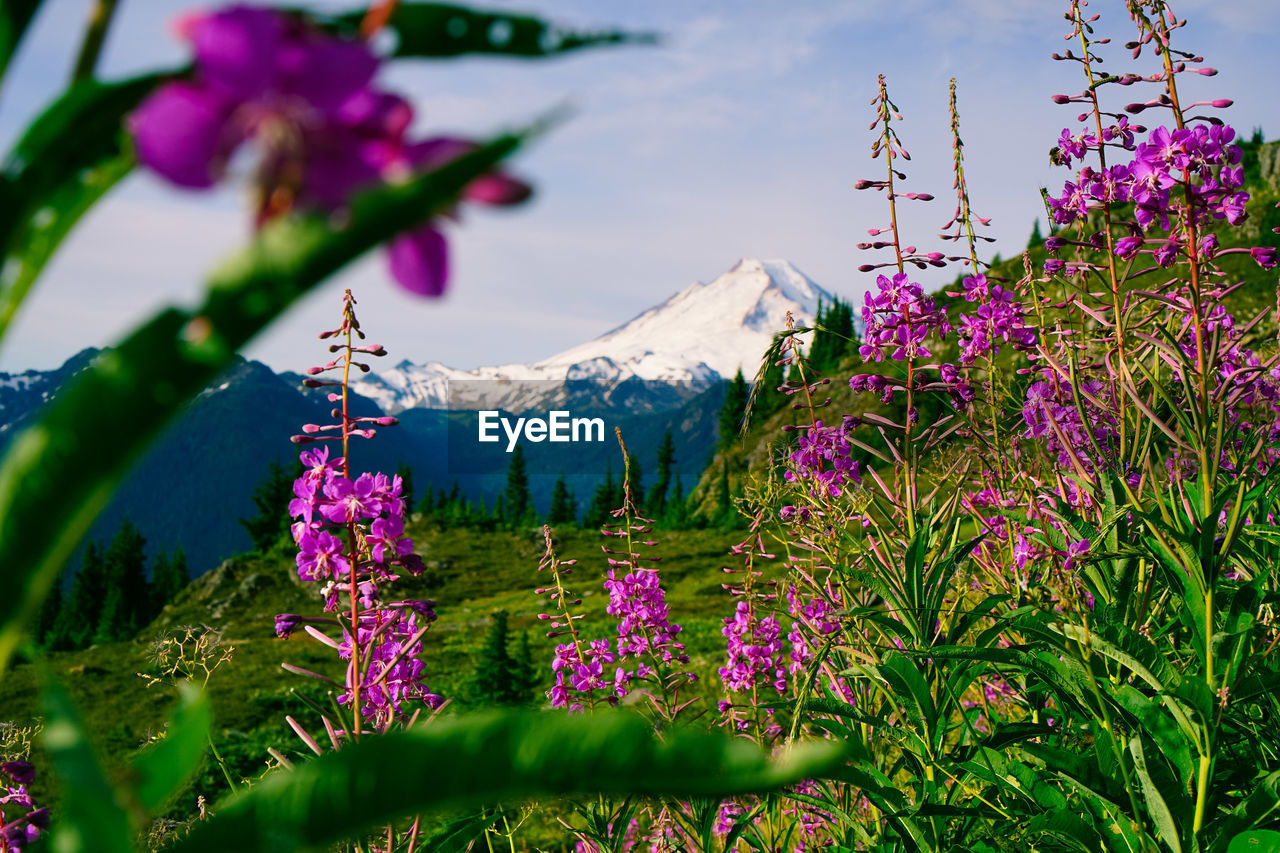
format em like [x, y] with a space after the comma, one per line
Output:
[68, 158]
[168, 764]
[58, 473]
[433, 30]
[1255, 841]
[90, 819]
[1156, 805]
[487, 759]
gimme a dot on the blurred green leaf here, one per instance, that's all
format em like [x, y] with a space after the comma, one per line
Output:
[90, 818]
[442, 30]
[59, 472]
[72, 154]
[488, 759]
[170, 762]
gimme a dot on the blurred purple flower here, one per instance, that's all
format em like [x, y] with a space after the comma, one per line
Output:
[306, 98]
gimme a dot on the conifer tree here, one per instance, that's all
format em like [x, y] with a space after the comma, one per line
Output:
[524, 672]
[676, 514]
[517, 503]
[77, 624]
[169, 575]
[834, 340]
[657, 499]
[127, 604]
[735, 403]
[563, 509]
[271, 499]
[496, 679]
[428, 505]
[602, 503]
[768, 398]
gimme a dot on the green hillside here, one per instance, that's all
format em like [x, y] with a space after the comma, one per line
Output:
[470, 574]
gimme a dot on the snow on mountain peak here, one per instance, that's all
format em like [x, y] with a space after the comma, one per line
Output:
[704, 332]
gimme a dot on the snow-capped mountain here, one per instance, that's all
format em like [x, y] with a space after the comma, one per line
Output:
[700, 335]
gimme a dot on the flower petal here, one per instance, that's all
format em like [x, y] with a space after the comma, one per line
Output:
[497, 188]
[323, 71]
[181, 132]
[419, 261]
[236, 48]
[338, 165]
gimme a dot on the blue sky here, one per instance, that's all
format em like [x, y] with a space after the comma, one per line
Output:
[741, 135]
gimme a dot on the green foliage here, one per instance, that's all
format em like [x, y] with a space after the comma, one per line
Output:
[78, 620]
[92, 818]
[606, 498]
[833, 338]
[517, 502]
[656, 501]
[433, 30]
[169, 576]
[69, 157]
[563, 509]
[732, 410]
[127, 606]
[500, 677]
[491, 758]
[14, 18]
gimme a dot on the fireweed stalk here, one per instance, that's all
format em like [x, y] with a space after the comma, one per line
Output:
[381, 639]
[645, 651]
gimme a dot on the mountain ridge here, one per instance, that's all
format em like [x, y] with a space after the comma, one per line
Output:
[699, 335]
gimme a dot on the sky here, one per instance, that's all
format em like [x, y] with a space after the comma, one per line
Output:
[739, 135]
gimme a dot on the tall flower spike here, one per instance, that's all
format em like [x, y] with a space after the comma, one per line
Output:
[350, 539]
[637, 599]
[579, 665]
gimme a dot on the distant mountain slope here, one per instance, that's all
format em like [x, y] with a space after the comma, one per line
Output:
[196, 480]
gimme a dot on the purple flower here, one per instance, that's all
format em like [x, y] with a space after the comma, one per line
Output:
[21, 772]
[287, 623]
[320, 557]
[899, 319]
[259, 74]
[351, 501]
[306, 98]
[1075, 550]
[1127, 247]
[639, 602]
[385, 540]
[1265, 256]
[754, 650]
[823, 458]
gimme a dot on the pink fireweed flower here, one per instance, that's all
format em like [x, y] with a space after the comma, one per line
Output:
[320, 556]
[351, 501]
[899, 319]
[385, 539]
[754, 649]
